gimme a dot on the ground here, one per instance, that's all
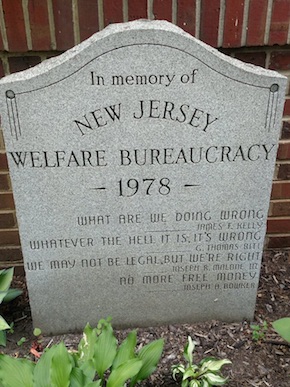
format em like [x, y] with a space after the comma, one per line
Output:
[254, 363]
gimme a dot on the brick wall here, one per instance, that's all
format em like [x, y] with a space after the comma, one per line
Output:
[254, 31]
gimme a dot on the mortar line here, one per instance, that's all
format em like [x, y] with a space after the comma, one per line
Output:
[125, 11]
[101, 14]
[3, 28]
[150, 15]
[268, 22]
[267, 59]
[27, 24]
[174, 11]
[245, 23]
[6, 65]
[51, 24]
[76, 24]
[197, 18]
[221, 23]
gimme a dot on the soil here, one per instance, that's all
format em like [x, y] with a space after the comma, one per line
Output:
[265, 362]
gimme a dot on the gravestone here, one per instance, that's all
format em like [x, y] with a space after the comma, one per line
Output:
[141, 162]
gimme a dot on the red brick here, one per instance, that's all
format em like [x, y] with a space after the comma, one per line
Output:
[280, 60]
[284, 172]
[19, 63]
[2, 146]
[2, 73]
[281, 190]
[137, 9]
[7, 220]
[18, 268]
[9, 238]
[233, 23]
[3, 162]
[12, 254]
[276, 225]
[279, 22]
[63, 20]
[256, 22]
[88, 18]
[39, 25]
[256, 58]
[162, 9]
[186, 15]
[209, 23]
[15, 27]
[287, 107]
[280, 208]
[4, 182]
[113, 11]
[6, 201]
[285, 130]
[278, 242]
[284, 151]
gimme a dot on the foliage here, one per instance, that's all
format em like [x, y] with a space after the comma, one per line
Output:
[6, 294]
[258, 331]
[282, 327]
[36, 332]
[21, 341]
[205, 374]
[98, 362]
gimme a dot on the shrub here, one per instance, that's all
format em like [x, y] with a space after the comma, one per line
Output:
[6, 294]
[98, 362]
[205, 374]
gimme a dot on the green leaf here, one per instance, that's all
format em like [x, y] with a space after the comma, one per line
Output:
[86, 350]
[11, 294]
[36, 332]
[188, 350]
[195, 383]
[282, 327]
[6, 279]
[16, 372]
[98, 383]
[21, 341]
[214, 379]
[3, 338]
[177, 369]
[78, 378]
[3, 324]
[2, 295]
[86, 346]
[124, 372]
[88, 369]
[150, 355]
[214, 365]
[126, 350]
[105, 350]
[61, 367]
[189, 373]
[41, 376]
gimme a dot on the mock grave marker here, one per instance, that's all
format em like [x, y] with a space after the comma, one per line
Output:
[141, 162]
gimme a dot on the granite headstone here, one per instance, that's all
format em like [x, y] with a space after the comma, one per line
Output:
[141, 162]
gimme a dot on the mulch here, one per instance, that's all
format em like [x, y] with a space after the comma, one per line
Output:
[262, 363]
